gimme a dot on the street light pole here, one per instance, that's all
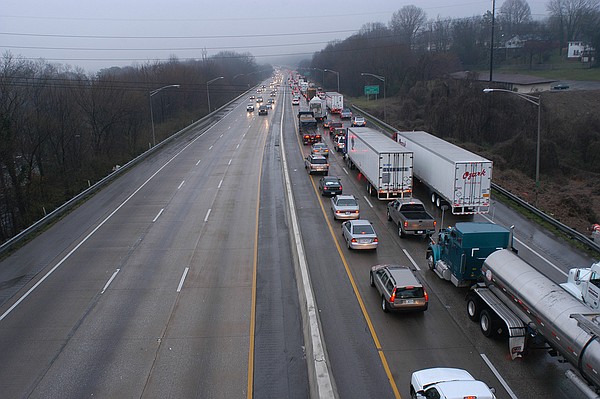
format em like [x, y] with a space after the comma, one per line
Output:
[152, 93]
[382, 78]
[207, 93]
[537, 101]
[338, 78]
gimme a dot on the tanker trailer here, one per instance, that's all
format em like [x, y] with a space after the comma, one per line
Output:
[517, 299]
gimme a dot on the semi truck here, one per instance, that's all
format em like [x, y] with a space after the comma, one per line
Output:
[454, 176]
[459, 253]
[510, 297]
[335, 102]
[307, 127]
[386, 166]
[318, 107]
[514, 298]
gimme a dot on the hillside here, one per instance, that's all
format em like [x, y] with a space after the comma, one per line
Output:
[503, 128]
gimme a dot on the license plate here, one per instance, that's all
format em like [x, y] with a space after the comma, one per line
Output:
[365, 241]
[420, 232]
[347, 213]
[409, 301]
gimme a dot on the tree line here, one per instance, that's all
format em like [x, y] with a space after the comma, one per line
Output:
[410, 47]
[62, 130]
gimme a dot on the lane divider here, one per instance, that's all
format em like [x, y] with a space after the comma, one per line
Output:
[320, 378]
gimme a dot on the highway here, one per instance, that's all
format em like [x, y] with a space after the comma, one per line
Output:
[178, 280]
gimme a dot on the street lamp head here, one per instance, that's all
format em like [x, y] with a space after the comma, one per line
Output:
[488, 90]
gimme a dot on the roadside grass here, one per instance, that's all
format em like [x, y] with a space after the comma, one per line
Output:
[544, 224]
[560, 71]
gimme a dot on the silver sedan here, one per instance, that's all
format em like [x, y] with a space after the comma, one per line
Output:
[345, 207]
[359, 234]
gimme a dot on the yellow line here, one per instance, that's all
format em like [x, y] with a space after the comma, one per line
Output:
[361, 303]
[250, 393]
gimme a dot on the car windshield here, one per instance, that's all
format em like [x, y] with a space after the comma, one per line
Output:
[409, 292]
[363, 229]
[332, 183]
[346, 202]
[319, 161]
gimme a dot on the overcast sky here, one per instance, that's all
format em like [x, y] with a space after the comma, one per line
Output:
[95, 34]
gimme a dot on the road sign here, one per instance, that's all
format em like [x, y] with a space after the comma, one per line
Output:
[371, 90]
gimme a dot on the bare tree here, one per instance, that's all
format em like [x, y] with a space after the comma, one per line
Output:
[571, 16]
[406, 22]
[514, 14]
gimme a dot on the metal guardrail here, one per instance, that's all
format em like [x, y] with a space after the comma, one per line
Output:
[67, 206]
[522, 203]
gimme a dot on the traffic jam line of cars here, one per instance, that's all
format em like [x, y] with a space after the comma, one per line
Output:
[398, 286]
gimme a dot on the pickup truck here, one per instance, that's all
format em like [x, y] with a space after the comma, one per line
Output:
[411, 217]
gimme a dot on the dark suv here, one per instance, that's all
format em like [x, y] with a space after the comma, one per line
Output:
[399, 288]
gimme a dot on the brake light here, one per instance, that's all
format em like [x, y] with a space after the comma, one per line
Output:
[426, 296]
[353, 240]
[470, 397]
[393, 297]
[375, 239]
[406, 223]
[434, 224]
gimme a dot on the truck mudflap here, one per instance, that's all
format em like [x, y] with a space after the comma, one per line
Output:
[517, 331]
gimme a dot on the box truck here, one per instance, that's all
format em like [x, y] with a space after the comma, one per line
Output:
[335, 102]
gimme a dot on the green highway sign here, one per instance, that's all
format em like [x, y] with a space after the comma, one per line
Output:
[371, 90]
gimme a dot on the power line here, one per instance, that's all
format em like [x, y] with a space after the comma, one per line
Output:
[176, 37]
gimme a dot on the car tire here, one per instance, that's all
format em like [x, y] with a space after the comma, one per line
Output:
[384, 305]
[400, 232]
[371, 279]
[388, 215]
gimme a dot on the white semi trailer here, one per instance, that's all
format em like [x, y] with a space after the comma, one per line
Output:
[386, 165]
[455, 177]
[335, 102]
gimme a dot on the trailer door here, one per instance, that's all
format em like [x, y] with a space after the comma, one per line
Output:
[472, 187]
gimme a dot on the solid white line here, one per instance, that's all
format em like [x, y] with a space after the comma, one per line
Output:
[498, 376]
[185, 272]
[25, 295]
[181, 185]
[229, 163]
[534, 251]
[411, 259]
[157, 216]
[368, 202]
[206, 217]
[198, 162]
[220, 183]
[110, 281]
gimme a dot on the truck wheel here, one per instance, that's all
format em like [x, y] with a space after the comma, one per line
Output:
[473, 306]
[371, 280]
[430, 261]
[438, 202]
[384, 305]
[413, 394]
[433, 198]
[388, 215]
[400, 232]
[486, 323]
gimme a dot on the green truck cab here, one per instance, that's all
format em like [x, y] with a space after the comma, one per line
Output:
[460, 250]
